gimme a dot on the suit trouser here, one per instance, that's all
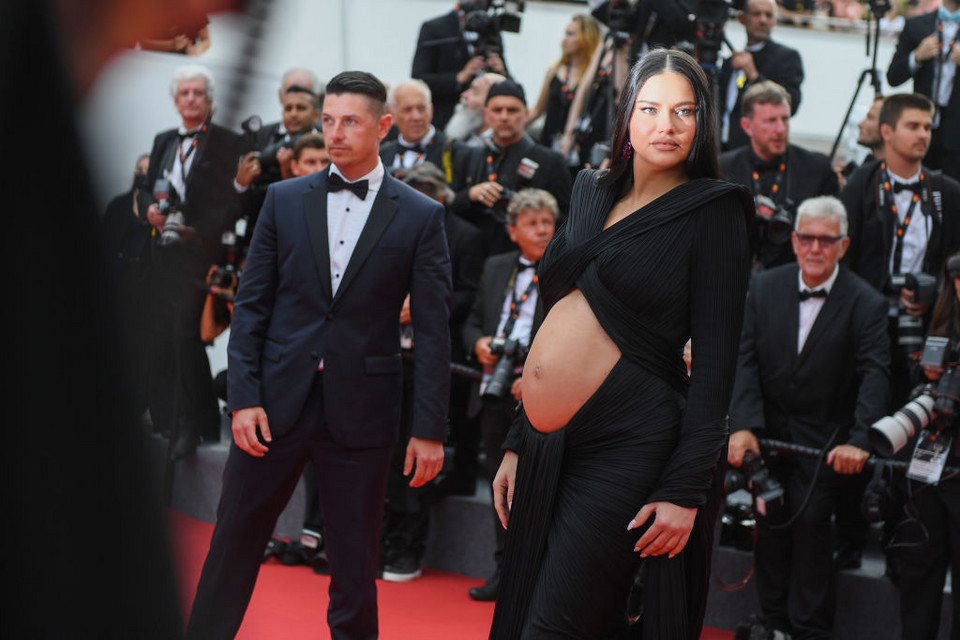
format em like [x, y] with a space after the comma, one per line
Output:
[351, 484]
[925, 564]
[795, 576]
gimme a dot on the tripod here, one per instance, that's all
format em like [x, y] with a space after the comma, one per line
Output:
[870, 72]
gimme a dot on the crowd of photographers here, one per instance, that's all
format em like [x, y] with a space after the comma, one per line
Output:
[853, 270]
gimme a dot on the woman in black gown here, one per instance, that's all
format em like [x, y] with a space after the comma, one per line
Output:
[654, 251]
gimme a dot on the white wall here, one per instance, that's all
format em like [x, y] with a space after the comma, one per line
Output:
[130, 102]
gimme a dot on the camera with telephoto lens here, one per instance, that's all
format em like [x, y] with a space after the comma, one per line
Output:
[487, 18]
[512, 354]
[910, 328]
[753, 475]
[168, 202]
[931, 406]
[776, 219]
[224, 277]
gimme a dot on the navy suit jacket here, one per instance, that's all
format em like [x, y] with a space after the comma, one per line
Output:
[286, 319]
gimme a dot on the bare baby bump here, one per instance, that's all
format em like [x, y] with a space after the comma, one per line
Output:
[569, 359]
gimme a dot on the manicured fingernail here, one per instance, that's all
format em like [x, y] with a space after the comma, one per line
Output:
[631, 525]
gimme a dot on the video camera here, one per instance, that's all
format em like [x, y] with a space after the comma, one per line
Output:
[931, 406]
[769, 499]
[910, 328]
[488, 18]
[512, 353]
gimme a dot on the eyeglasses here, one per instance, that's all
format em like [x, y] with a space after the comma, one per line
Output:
[826, 242]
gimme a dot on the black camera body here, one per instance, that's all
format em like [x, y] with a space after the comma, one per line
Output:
[769, 499]
[910, 328]
[931, 406]
[488, 18]
[168, 202]
[776, 220]
[512, 353]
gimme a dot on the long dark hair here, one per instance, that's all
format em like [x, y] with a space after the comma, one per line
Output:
[946, 314]
[702, 161]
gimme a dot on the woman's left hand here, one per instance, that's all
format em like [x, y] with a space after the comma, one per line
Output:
[670, 529]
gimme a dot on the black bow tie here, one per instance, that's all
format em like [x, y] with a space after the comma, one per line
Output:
[190, 134]
[336, 183]
[402, 147]
[910, 186]
[818, 293]
[523, 266]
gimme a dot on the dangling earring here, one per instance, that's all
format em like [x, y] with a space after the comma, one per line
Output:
[627, 151]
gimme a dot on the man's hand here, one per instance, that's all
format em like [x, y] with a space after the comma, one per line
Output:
[515, 389]
[155, 218]
[248, 169]
[486, 193]
[482, 348]
[743, 61]
[740, 443]
[405, 311]
[914, 309]
[495, 63]
[473, 67]
[847, 459]
[504, 484]
[245, 424]
[669, 532]
[927, 49]
[426, 456]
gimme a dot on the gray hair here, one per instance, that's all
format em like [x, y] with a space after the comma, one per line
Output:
[192, 72]
[822, 208]
[536, 199]
[313, 83]
[415, 83]
[429, 179]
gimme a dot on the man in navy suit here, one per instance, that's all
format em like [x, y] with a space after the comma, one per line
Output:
[315, 367]
[813, 370]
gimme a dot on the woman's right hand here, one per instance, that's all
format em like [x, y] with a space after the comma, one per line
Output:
[504, 485]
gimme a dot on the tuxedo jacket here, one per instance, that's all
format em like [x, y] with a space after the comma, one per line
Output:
[871, 228]
[774, 62]
[839, 379]
[286, 320]
[211, 202]
[441, 53]
[914, 30]
[440, 151]
[484, 317]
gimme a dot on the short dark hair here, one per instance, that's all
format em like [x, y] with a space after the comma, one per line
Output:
[894, 106]
[765, 92]
[363, 83]
[296, 88]
[702, 161]
[308, 141]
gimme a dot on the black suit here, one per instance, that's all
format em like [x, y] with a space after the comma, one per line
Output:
[440, 151]
[945, 147]
[441, 53]
[808, 174]
[838, 382]
[774, 62]
[180, 391]
[345, 419]
[471, 168]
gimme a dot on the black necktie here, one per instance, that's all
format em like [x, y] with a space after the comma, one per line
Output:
[336, 183]
[818, 293]
[910, 186]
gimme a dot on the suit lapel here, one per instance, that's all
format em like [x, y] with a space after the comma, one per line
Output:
[384, 208]
[831, 307]
[790, 324]
[315, 211]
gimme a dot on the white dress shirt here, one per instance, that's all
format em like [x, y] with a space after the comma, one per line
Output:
[409, 159]
[918, 233]
[810, 308]
[346, 216]
[947, 71]
[176, 173]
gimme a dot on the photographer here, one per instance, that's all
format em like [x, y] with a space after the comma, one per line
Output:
[812, 370]
[486, 178]
[904, 219]
[502, 323]
[780, 174]
[931, 535]
[190, 203]
[449, 56]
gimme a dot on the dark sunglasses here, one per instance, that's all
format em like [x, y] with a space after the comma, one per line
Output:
[826, 242]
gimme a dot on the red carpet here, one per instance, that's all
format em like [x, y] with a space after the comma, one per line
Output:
[290, 603]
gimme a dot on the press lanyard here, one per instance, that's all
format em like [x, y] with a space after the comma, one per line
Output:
[185, 155]
[515, 302]
[901, 227]
[777, 181]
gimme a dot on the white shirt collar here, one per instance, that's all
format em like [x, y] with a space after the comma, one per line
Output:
[424, 141]
[826, 286]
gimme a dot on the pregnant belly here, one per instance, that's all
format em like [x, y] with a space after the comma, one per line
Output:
[569, 359]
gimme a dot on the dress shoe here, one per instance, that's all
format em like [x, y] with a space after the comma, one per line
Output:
[487, 592]
[403, 568]
[183, 445]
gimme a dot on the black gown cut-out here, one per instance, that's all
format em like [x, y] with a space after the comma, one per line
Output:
[674, 269]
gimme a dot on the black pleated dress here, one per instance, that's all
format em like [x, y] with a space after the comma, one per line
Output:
[674, 269]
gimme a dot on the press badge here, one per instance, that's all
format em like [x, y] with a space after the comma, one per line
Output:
[527, 168]
[930, 456]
